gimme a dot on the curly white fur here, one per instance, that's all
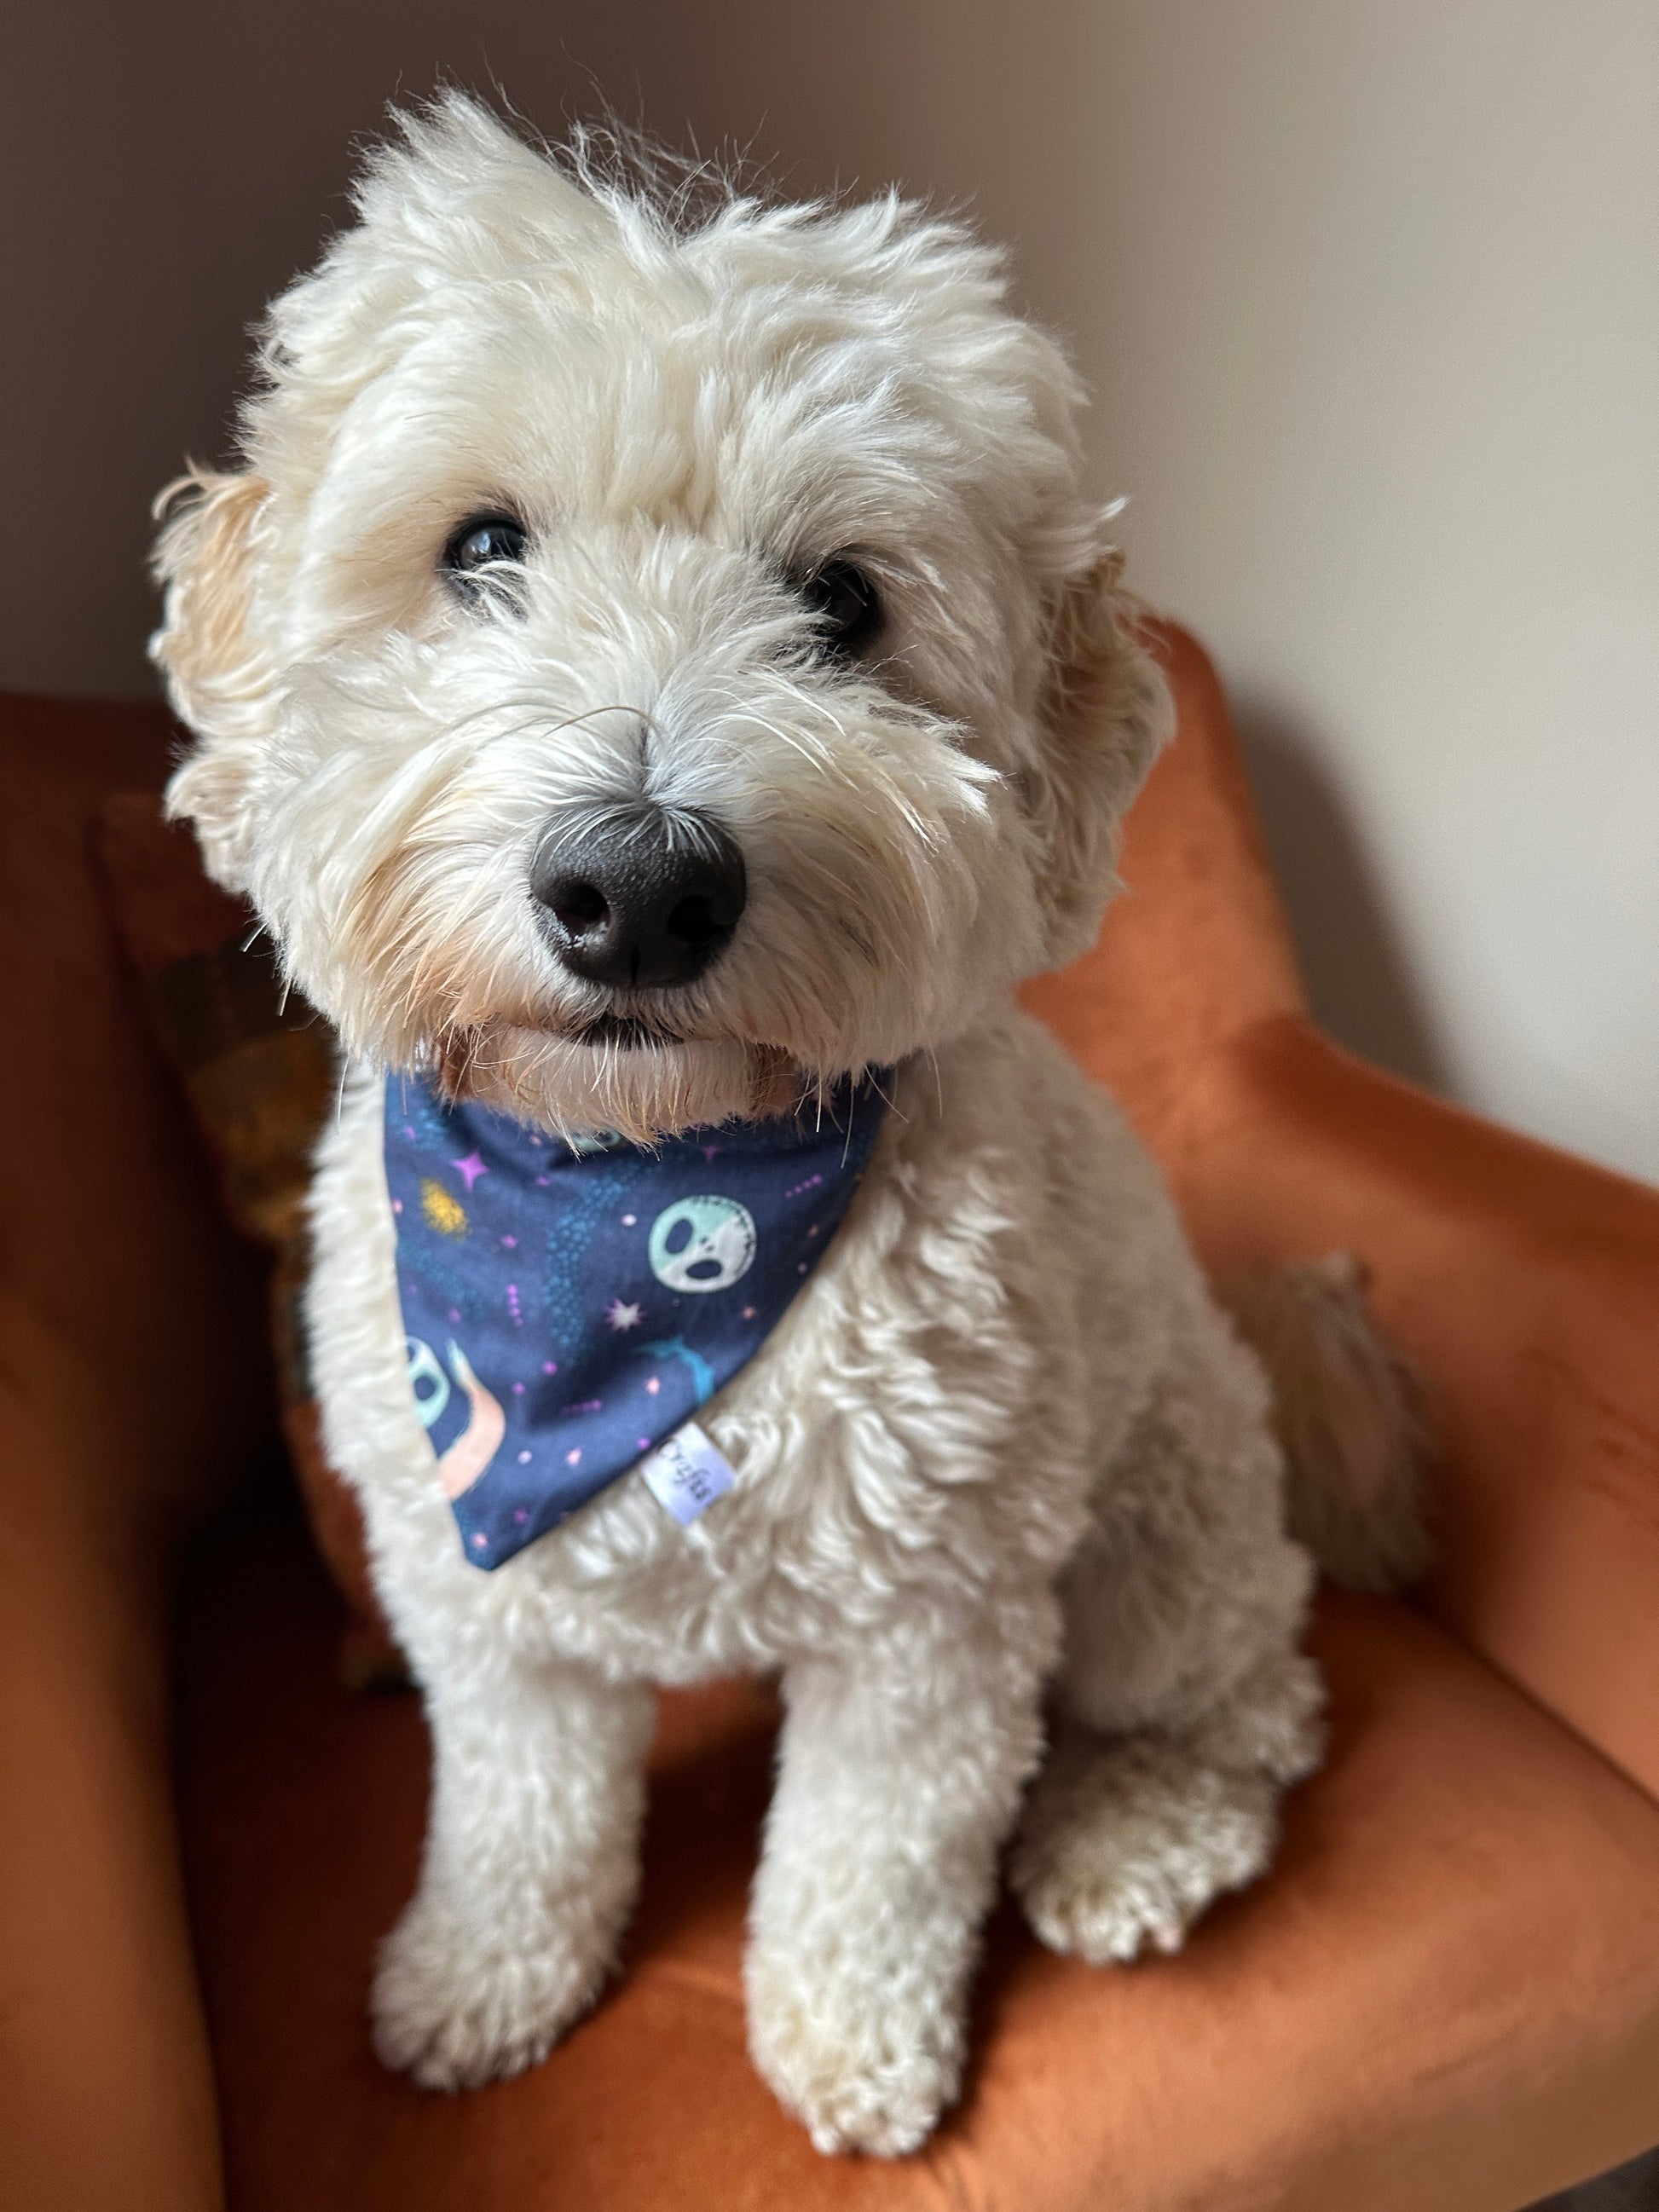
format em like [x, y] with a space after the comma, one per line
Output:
[1003, 1451]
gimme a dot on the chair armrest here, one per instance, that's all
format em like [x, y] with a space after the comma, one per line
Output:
[1524, 1285]
[106, 2082]
[132, 1388]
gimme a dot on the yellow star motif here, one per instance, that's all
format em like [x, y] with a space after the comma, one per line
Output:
[444, 1213]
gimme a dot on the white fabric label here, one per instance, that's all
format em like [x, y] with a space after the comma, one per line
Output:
[686, 1473]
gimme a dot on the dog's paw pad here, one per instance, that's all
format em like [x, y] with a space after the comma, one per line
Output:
[1122, 1851]
[453, 2011]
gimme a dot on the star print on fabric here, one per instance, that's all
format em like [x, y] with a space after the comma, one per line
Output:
[470, 1168]
[619, 1314]
[442, 1213]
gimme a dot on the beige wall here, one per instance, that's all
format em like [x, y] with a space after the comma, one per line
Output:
[1369, 292]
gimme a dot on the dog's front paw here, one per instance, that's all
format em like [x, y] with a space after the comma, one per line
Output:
[866, 2063]
[454, 2007]
[1123, 1845]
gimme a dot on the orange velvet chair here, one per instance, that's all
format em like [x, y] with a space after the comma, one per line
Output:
[1445, 1998]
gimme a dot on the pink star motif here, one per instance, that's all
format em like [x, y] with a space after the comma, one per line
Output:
[653, 1384]
[619, 1315]
[470, 1169]
[571, 1457]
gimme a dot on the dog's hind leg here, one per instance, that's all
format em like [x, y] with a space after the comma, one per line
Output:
[530, 1866]
[1183, 1705]
[1128, 1838]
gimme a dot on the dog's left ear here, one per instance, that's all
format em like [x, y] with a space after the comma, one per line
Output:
[218, 676]
[1105, 711]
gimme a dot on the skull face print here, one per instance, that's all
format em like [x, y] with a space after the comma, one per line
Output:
[703, 1243]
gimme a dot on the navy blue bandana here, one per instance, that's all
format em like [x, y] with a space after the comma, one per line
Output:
[568, 1309]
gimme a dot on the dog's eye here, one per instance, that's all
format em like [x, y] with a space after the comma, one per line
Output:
[484, 542]
[844, 606]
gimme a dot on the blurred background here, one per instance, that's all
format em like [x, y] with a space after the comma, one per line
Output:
[1367, 292]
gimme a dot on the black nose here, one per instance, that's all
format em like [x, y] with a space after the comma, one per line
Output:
[639, 895]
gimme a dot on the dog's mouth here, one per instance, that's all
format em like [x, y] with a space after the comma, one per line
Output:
[618, 1070]
[776, 1076]
[626, 1030]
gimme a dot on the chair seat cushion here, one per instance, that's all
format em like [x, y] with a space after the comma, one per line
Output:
[1447, 1989]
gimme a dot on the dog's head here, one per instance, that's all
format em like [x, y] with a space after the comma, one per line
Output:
[647, 663]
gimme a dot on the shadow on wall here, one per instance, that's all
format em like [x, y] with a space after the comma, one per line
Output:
[1358, 983]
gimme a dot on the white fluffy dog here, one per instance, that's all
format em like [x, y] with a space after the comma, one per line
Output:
[565, 503]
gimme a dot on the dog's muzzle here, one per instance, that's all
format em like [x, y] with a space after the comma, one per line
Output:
[636, 895]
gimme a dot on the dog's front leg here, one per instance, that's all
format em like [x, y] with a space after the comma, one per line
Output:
[530, 1866]
[901, 1770]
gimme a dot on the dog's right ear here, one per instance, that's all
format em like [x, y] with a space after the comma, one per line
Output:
[218, 676]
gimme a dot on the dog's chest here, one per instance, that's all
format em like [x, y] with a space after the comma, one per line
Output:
[930, 1414]
[941, 1400]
